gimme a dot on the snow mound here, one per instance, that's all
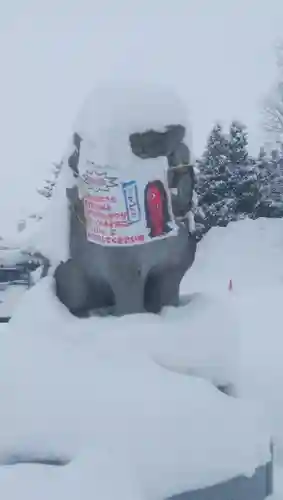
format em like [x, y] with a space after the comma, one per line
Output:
[251, 254]
[196, 338]
[67, 385]
[87, 477]
[10, 256]
[248, 251]
[51, 238]
[260, 363]
[112, 112]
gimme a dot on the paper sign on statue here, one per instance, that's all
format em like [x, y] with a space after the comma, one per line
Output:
[127, 206]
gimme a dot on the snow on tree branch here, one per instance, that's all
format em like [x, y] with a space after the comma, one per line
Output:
[48, 187]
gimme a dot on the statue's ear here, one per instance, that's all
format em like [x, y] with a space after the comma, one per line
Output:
[77, 140]
[179, 156]
[72, 194]
[73, 159]
[174, 135]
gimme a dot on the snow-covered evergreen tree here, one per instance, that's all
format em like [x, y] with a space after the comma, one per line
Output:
[238, 144]
[277, 178]
[243, 181]
[229, 186]
[215, 200]
[271, 184]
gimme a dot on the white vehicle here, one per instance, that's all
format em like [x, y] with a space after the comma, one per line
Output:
[14, 281]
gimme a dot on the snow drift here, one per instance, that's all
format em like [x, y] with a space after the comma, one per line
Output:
[251, 254]
[138, 387]
[79, 383]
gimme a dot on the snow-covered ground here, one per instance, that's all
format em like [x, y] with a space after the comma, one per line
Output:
[104, 383]
[130, 398]
[250, 254]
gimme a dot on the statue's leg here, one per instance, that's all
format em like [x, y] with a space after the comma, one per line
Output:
[129, 296]
[101, 295]
[163, 282]
[162, 289]
[72, 287]
[127, 283]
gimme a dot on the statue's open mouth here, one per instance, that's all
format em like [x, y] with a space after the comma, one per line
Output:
[153, 144]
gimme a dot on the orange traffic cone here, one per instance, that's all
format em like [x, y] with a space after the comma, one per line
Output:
[230, 286]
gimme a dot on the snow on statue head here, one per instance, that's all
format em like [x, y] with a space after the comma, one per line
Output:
[129, 202]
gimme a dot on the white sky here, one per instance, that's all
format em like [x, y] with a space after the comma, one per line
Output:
[217, 53]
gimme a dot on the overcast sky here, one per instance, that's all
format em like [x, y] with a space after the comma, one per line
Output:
[217, 53]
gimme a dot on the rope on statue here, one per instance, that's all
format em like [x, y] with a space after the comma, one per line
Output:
[187, 218]
[77, 216]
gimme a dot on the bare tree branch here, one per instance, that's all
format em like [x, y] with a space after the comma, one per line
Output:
[272, 105]
[272, 113]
